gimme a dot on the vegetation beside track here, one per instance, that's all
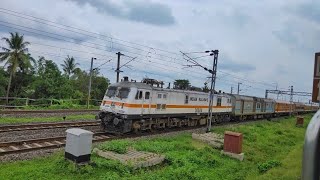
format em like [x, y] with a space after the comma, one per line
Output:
[14, 120]
[273, 150]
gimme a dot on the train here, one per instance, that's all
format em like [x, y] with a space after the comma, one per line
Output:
[130, 106]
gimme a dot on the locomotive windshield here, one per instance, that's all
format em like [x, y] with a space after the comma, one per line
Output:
[111, 91]
[123, 93]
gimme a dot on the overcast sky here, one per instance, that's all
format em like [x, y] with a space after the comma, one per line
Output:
[260, 43]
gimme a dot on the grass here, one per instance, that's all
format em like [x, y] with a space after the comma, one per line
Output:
[14, 120]
[272, 151]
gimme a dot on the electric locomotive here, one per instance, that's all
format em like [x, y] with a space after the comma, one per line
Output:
[138, 106]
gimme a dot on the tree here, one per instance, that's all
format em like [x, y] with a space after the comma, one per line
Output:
[69, 66]
[3, 81]
[80, 81]
[181, 84]
[49, 82]
[15, 56]
[205, 88]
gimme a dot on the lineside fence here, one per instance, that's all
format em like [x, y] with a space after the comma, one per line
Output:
[51, 103]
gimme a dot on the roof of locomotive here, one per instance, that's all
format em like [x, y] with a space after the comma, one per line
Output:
[140, 85]
[133, 84]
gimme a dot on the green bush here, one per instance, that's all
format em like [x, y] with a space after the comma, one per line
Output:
[264, 167]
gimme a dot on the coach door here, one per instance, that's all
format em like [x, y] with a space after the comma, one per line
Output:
[140, 99]
[242, 106]
[146, 107]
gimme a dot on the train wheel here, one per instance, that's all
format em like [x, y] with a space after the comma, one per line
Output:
[136, 127]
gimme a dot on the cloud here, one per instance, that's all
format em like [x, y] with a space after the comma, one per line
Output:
[227, 64]
[236, 67]
[141, 11]
[309, 10]
[258, 40]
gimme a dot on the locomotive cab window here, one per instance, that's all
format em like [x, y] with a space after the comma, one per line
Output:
[111, 91]
[164, 96]
[123, 93]
[219, 101]
[139, 95]
[147, 95]
[159, 96]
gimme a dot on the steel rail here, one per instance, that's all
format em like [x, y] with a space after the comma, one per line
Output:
[37, 126]
[46, 111]
[15, 147]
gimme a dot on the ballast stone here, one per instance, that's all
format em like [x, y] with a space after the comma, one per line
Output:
[78, 145]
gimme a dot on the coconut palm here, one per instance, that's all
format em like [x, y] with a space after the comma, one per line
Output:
[14, 56]
[69, 66]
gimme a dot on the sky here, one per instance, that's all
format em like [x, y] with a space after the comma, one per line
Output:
[262, 44]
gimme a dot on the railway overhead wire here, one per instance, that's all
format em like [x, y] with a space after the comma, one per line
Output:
[139, 50]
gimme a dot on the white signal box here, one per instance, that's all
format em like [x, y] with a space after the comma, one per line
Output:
[78, 145]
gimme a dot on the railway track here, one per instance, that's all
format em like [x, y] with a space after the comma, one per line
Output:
[24, 127]
[15, 147]
[46, 111]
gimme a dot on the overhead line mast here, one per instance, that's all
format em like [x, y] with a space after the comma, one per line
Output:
[213, 72]
[290, 92]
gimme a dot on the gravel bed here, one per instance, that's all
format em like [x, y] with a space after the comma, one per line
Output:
[22, 115]
[41, 133]
[29, 155]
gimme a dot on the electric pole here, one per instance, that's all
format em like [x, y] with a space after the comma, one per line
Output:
[118, 65]
[277, 89]
[213, 83]
[231, 90]
[89, 87]
[239, 87]
[291, 99]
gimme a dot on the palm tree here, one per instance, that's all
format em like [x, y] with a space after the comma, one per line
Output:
[15, 55]
[69, 66]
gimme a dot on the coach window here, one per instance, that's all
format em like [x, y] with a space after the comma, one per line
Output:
[164, 96]
[219, 101]
[159, 96]
[147, 95]
[258, 105]
[186, 101]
